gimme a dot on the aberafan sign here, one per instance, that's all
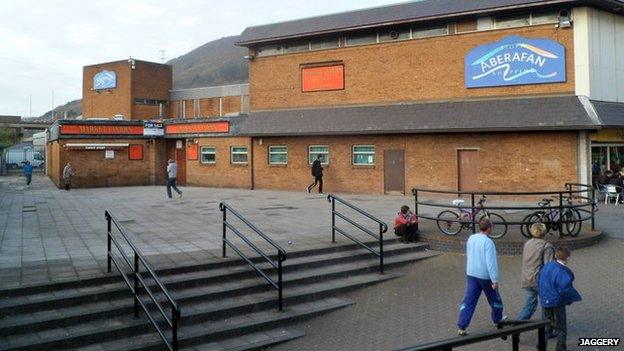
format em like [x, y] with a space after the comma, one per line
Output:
[515, 61]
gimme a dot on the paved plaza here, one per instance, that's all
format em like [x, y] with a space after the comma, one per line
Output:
[50, 235]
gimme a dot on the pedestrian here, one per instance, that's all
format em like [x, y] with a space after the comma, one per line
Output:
[482, 276]
[172, 173]
[68, 174]
[28, 170]
[405, 224]
[317, 173]
[535, 254]
[556, 291]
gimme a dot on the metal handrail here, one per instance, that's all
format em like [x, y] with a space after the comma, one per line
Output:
[515, 329]
[281, 253]
[588, 189]
[383, 227]
[172, 321]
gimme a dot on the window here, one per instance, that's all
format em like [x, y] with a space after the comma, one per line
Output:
[274, 49]
[364, 154]
[429, 31]
[296, 47]
[239, 154]
[278, 155]
[208, 154]
[466, 26]
[512, 21]
[326, 43]
[152, 102]
[362, 39]
[315, 150]
[544, 17]
[394, 34]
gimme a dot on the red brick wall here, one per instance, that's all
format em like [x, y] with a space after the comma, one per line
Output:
[222, 174]
[150, 81]
[413, 70]
[107, 103]
[507, 161]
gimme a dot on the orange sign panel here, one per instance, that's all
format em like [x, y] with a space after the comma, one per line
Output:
[191, 152]
[322, 78]
[197, 128]
[135, 152]
[100, 129]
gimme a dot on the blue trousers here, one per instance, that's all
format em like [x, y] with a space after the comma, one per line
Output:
[474, 287]
[531, 303]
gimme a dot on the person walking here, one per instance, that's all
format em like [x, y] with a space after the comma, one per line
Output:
[317, 173]
[68, 174]
[556, 292]
[28, 170]
[535, 254]
[482, 276]
[172, 173]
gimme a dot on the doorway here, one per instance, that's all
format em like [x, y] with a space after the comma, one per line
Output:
[176, 150]
[467, 170]
[394, 171]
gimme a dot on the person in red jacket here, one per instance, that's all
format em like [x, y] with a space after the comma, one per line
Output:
[405, 224]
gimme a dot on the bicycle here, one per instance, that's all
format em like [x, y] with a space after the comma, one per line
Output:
[549, 215]
[450, 222]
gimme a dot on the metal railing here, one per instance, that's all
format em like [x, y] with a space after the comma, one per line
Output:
[515, 329]
[281, 253]
[383, 227]
[585, 194]
[137, 277]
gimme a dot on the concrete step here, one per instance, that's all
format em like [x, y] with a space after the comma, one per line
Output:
[66, 317]
[72, 296]
[94, 283]
[128, 327]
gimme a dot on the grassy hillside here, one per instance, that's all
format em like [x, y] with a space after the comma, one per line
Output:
[218, 62]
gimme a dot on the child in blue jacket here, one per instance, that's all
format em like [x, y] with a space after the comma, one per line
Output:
[556, 291]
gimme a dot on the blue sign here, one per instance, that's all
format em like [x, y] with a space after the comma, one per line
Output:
[105, 80]
[515, 61]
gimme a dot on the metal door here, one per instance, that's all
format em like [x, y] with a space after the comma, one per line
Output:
[467, 170]
[394, 171]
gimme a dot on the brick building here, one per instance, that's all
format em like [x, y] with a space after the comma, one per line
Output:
[473, 95]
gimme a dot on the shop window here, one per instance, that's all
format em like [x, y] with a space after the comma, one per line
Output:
[362, 39]
[238, 154]
[326, 43]
[394, 34]
[315, 150]
[267, 50]
[208, 154]
[424, 32]
[364, 154]
[544, 17]
[135, 152]
[512, 21]
[278, 155]
[296, 47]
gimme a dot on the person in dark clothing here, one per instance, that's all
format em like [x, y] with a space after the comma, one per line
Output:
[405, 224]
[556, 292]
[317, 173]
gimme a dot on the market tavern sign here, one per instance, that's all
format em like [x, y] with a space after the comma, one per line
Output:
[100, 129]
[515, 60]
[105, 80]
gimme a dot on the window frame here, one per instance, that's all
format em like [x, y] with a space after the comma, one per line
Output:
[354, 153]
[310, 160]
[201, 154]
[232, 153]
[277, 153]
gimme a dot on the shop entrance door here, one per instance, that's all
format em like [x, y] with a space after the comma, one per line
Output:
[467, 170]
[176, 150]
[394, 171]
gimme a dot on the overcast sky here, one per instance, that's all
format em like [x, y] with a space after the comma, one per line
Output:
[44, 44]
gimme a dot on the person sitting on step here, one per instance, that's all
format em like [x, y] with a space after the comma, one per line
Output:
[405, 224]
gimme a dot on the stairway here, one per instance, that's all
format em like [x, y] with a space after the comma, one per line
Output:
[225, 304]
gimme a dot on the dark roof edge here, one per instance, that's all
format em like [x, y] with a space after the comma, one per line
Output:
[431, 131]
[380, 24]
